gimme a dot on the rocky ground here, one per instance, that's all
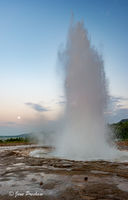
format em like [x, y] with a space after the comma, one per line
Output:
[27, 178]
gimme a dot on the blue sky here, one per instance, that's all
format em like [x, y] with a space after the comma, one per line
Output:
[31, 33]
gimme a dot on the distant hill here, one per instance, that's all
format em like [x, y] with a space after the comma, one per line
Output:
[25, 135]
[120, 129]
[124, 120]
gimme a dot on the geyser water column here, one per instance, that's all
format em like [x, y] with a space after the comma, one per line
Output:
[84, 134]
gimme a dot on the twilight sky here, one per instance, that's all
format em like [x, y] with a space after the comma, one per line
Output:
[31, 33]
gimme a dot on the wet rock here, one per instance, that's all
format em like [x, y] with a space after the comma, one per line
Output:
[60, 179]
[33, 179]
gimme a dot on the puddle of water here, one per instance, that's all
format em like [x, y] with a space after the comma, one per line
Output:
[119, 156]
[98, 172]
[123, 186]
[18, 164]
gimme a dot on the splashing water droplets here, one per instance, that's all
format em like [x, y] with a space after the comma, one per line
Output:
[84, 135]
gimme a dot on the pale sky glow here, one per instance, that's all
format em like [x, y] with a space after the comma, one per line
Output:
[32, 31]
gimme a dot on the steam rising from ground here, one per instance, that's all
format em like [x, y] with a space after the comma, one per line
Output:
[84, 135]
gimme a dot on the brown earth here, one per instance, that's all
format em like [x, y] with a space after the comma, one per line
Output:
[15, 143]
[25, 178]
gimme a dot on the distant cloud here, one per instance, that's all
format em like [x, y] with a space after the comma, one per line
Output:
[37, 107]
[62, 96]
[118, 102]
[61, 102]
[118, 99]
[117, 115]
[117, 109]
[8, 123]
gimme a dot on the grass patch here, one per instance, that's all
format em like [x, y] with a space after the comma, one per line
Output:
[15, 140]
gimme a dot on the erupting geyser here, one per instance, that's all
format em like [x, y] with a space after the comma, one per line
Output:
[84, 135]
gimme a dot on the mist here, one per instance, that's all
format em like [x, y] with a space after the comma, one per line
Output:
[84, 133]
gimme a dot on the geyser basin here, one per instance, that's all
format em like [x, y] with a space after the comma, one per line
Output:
[116, 156]
[84, 133]
[60, 178]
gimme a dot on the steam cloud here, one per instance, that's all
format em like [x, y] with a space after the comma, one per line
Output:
[84, 135]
